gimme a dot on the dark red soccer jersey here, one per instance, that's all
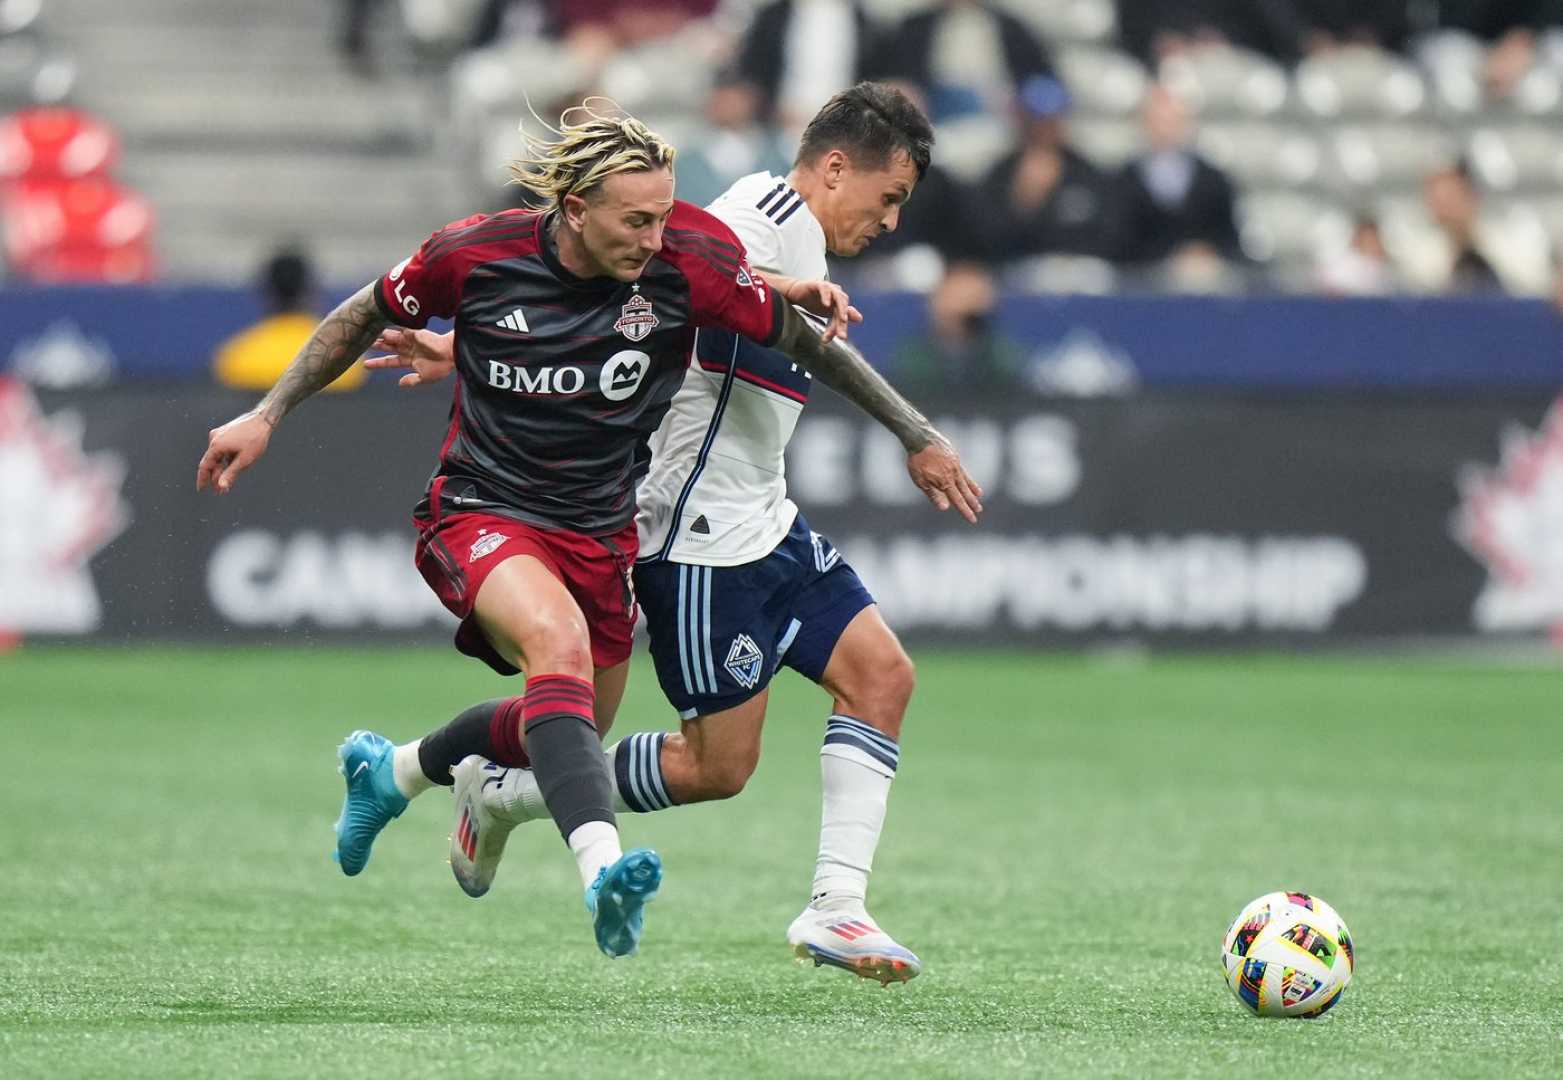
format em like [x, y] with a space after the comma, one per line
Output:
[561, 380]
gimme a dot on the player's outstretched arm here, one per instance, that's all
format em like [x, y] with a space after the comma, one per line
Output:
[931, 459]
[340, 339]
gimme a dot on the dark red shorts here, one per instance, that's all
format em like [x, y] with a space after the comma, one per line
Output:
[456, 555]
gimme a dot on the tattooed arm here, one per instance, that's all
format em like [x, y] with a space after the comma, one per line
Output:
[337, 342]
[340, 339]
[931, 459]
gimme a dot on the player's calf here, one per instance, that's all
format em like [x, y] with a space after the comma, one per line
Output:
[702, 769]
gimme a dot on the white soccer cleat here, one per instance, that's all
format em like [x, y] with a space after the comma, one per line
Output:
[477, 842]
[847, 938]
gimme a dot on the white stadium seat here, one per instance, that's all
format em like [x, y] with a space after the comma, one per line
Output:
[1220, 81]
[1262, 154]
[1360, 82]
[1102, 80]
[1290, 225]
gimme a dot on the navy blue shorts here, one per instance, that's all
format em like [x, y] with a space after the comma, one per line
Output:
[718, 633]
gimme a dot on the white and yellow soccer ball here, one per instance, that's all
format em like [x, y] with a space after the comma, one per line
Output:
[1288, 954]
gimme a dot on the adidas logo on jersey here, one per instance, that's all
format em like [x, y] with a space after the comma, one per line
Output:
[516, 321]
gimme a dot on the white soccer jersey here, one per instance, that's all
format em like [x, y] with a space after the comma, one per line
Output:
[716, 494]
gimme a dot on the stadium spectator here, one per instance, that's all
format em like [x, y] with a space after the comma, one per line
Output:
[1455, 206]
[354, 40]
[966, 56]
[1362, 267]
[735, 143]
[800, 52]
[1478, 250]
[1045, 197]
[1154, 30]
[1513, 31]
[1492, 20]
[499, 20]
[1176, 205]
[253, 358]
[530, 54]
[1331, 24]
[962, 351]
[593, 29]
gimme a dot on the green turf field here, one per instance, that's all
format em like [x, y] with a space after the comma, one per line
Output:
[1067, 841]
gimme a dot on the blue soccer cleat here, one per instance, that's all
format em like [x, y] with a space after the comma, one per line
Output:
[372, 799]
[617, 900]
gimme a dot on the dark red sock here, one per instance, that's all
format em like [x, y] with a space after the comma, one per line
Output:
[554, 695]
[504, 732]
[472, 732]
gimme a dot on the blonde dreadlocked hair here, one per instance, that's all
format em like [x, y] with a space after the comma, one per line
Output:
[592, 143]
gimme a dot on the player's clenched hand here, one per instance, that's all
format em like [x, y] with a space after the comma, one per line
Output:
[431, 356]
[936, 469]
[230, 450]
[827, 300]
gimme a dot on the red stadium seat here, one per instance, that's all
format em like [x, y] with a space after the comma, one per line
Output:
[131, 264]
[89, 229]
[55, 143]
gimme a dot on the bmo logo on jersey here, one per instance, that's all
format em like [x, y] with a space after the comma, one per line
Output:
[538, 380]
[622, 374]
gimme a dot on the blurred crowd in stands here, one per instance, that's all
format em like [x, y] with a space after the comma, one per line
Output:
[1349, 147]
[1342, 146]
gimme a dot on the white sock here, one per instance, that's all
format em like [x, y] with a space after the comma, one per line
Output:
[408, 772]
[595, 845]
[857, 763]
[516, 798]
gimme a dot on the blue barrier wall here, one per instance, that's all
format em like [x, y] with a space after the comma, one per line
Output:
[1280, 343]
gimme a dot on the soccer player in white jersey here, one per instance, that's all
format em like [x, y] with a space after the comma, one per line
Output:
[733, 582]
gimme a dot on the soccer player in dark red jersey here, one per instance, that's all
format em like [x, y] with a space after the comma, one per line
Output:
[734, 583]
[574, 326]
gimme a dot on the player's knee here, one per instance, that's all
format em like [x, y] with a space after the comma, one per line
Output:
[560, 650]
[881, 688]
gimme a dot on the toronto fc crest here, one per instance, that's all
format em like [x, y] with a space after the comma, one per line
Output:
[636, 319]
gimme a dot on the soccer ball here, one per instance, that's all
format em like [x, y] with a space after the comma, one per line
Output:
[1288, 954]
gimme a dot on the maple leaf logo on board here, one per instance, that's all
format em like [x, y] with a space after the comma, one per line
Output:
[70, 507]
[1511, 519]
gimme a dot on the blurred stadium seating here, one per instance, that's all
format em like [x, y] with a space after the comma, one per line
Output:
[244, 125]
